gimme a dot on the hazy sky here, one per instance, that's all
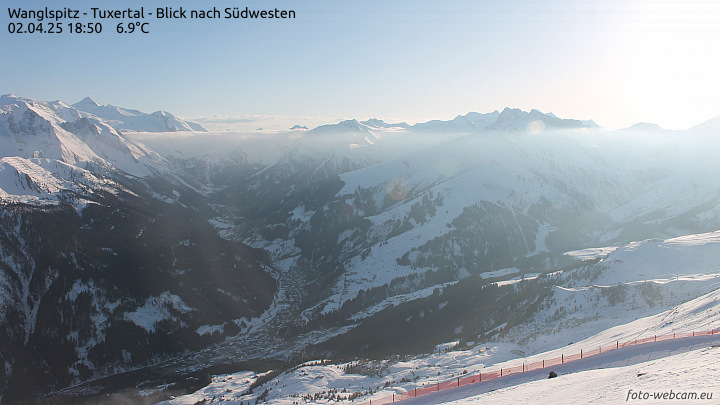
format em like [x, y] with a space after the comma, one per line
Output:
[615, 61]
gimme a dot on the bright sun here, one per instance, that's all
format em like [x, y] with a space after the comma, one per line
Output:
[670, 60]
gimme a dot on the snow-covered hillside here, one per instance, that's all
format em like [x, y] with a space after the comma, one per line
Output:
[606, 378]
[627, 282]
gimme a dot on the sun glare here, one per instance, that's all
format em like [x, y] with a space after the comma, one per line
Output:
[670, 61]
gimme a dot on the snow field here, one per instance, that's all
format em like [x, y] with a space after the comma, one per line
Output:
[680, 366]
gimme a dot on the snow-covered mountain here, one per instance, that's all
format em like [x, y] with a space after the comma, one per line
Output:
[125, 119]
[32, 129]
[278, 245]
[645, 127]
[509, 119]
[99, 245]
[376, 123]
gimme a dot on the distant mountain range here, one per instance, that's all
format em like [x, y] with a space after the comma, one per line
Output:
[133, 120]
[509, 119]
[130, 239]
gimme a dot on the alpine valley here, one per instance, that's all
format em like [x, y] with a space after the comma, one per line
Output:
[140, 254]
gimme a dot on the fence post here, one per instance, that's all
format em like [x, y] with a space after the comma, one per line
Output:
[500, 371]
[523, 367]
[656, 338]
[673, 335]
[618, 345]
[415, 392]
[543, 363]
[480, 377]
[562, 358]
[581, 353]
[458, 381]
[393, 397]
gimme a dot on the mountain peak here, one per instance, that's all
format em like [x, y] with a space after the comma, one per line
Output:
[645, 126]
[87, 101]
[377, 123]
[512, 111]
[347, 126]
[12, 99]
[374, 122]
[350, 123]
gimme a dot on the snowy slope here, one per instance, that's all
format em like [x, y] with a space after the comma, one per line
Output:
[67, 146]
[629, 282]
[690, 269]
[683, 368]
[614, 372]
[684, 374]
[44, 181]
[681, 365]
[710, 126]
[116, 149]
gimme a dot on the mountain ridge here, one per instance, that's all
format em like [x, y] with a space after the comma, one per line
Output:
[135, 120]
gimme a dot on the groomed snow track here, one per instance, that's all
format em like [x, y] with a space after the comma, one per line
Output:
[612, 355]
